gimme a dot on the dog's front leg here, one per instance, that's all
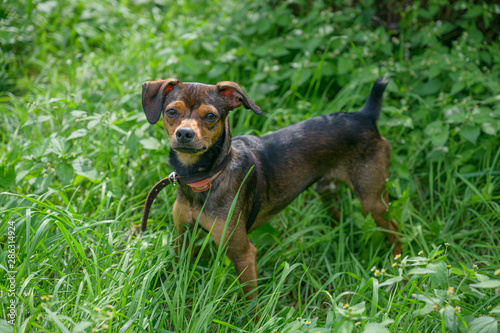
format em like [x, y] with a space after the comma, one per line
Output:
[183, 221]
[241, 252]
[244, 259]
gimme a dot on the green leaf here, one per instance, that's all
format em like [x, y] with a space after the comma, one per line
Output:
[279, 51]
[358, 309]
[78, 113]
[56, 319]
[83, 168]
[424, 13]
[435, 252]
[58, 146]
[81, 327]
[481, 277]
[6, 327]
[403, 171]
[344, 65]
[484, 325]
[283, 18]
[223, 323]
[391, 281]
[438, 132]
[263, 25]
[473, 11]
[37, 120]
[428, 308]
[217, 70]
[249, 30]
[439, 275]
[421, 271]
[428, 299]
[330, 317]
[486, 57]
[455, 115]
[431, 87]
[456, 271]
[445, 28]
[77, 134]
[488, 128]
[294, 43]
[470, 133]
[305, 75]
[209, 47]
[43, 183]
[93, 123]
[190, 64]
[438, 154]
[132, 141]
[487, 284]
[407, 122]
[457, 87]
[345, 326]
[64, 172]
[434, 71]
[150, 143]
[375, 328]
[7, 176]
[328, 69]
[450, 319]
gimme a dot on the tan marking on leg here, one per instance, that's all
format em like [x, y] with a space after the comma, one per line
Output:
[245, 263]
[182, 215]
[241, 252]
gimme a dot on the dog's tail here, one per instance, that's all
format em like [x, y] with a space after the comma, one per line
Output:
[374, 103]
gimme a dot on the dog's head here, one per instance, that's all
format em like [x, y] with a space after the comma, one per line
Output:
[194, 114]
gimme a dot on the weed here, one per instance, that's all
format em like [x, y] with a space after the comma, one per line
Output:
[77, 159]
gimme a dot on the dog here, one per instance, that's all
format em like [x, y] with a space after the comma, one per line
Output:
[267, 172]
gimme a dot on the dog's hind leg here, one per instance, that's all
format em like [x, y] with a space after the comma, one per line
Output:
[368, 178]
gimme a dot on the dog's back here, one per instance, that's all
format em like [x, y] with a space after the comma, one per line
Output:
[323, 149]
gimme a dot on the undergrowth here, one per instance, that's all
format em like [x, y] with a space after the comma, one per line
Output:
[77, 158]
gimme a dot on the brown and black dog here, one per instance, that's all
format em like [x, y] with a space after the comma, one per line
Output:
[210, 165]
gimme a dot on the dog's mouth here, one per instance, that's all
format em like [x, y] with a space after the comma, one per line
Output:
[191, 151]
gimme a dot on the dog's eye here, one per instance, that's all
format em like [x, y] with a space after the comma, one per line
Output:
[171, 112]
[211, 116]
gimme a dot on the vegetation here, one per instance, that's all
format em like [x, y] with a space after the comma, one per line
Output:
[77, 159]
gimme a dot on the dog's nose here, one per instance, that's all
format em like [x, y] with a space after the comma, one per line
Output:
[184, 134]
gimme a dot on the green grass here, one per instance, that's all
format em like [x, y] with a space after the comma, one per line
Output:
[78, 157]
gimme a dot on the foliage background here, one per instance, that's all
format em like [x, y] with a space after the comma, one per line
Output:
[77, 159]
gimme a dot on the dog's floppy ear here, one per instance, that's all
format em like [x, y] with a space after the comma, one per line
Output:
[234, 97]
[153, 93]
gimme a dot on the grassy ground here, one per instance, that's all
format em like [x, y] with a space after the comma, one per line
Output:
[78, 157]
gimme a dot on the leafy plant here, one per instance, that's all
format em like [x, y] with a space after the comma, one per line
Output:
[77, 159]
